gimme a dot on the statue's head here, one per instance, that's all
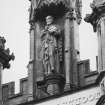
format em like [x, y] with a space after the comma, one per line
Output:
[49, 20]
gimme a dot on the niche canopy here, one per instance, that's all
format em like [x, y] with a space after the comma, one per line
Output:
[56, 8]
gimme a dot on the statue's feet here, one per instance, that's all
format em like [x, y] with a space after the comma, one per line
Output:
[53, 70]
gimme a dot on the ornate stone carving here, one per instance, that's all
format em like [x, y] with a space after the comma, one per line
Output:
[98, 2]
[78, 10]
[50, 48]
[5, 55]
[71, 14]
[75, 13]
[98, 10]
[48, 2]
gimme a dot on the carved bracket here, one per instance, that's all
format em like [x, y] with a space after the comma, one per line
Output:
[49, 2]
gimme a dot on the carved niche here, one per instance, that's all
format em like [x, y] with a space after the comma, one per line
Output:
[43, 8]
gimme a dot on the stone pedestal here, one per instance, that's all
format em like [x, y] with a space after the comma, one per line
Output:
[54, 84]
[31, 66]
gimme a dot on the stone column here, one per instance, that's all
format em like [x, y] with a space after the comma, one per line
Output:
[1, 68]
[31, 66]
[67, 51]
[101, 44]
[71, 48]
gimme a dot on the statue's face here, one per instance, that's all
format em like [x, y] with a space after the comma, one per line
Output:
[49, 20]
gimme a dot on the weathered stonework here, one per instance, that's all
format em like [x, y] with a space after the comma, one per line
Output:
[5, 58]
[74, 83]
[68, 20]
[97, 19]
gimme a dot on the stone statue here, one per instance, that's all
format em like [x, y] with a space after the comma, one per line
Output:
[49, 49]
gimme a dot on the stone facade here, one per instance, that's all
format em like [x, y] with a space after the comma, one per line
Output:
[5, 58]
[86, 81]
[73, 83]
[97, 19]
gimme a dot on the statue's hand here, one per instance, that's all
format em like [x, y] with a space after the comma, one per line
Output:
[52, 29]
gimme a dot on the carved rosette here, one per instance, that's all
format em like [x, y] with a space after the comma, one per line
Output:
[98, 11]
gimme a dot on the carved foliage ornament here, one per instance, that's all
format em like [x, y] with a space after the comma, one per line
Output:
[5, 55]
[98, 10]
[71, 14]
[48, 2]
[78, 10]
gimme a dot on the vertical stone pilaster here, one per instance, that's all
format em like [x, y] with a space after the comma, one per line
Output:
[97, 19]
[67, 51]
[101, 44]
[71, 46]
[31, 66]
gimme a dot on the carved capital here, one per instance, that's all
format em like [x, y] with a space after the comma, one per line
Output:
[32, 26]
[78, 10]
[71, 14]
[46, 7]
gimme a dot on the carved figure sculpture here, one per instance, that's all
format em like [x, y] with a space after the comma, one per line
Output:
[49, 50]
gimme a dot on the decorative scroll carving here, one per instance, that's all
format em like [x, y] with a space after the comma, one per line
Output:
[75, 13]
[50, 46]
